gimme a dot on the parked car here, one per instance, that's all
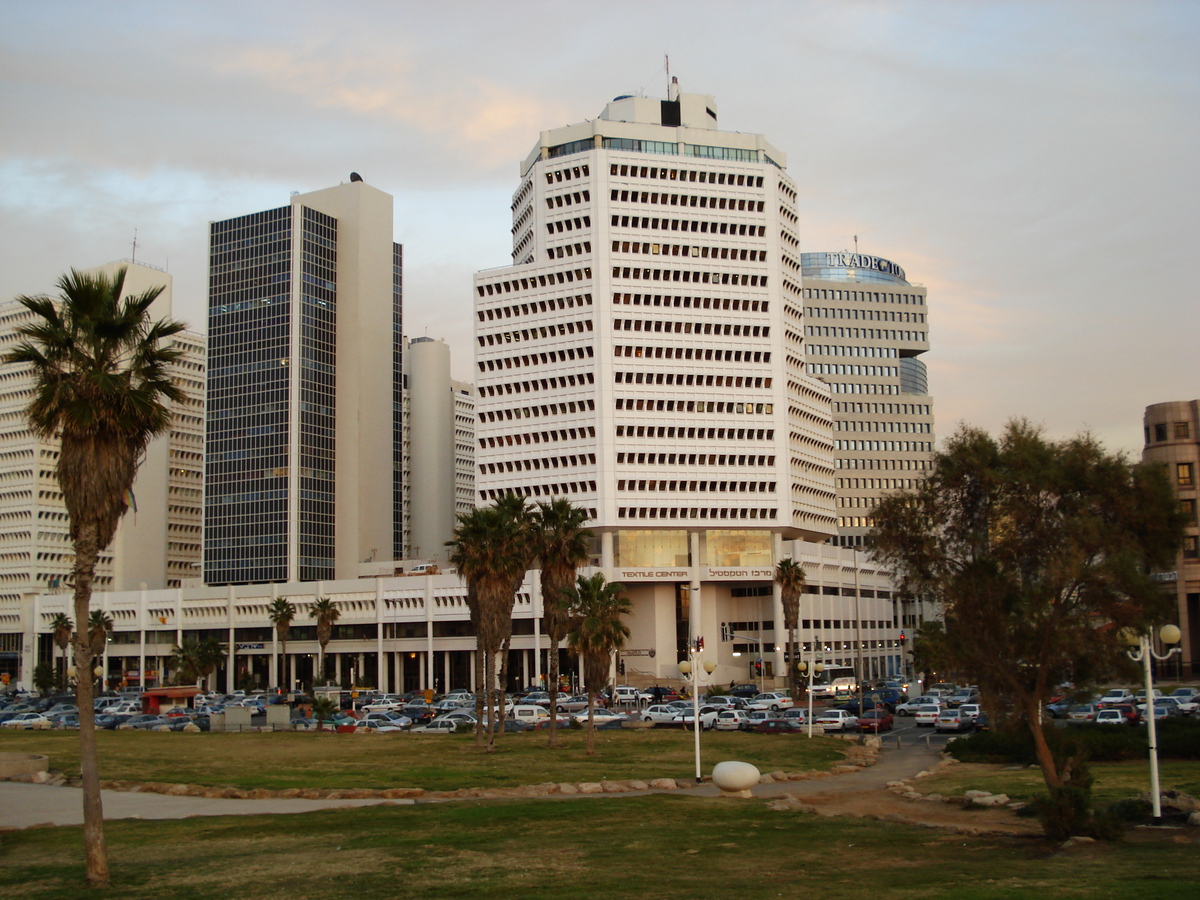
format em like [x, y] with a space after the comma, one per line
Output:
[437, 726]
[910, 707]
[755, 717]
[969, 712]
[950, 720]
[730, 719]
[659, 714]
[529, 713]
[600, 716]
[779, 726]
[26, 721]
[1110, 716]
[836, 720]
[1080, 713]
[395, 720]
[1115, 696]
[798, 713]
[771, 700]
[687, 718]
[875, 720]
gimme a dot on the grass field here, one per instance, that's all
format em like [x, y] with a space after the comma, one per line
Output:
[662, 846]
[283, 760]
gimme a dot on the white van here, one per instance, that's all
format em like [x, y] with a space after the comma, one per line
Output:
[529, 714]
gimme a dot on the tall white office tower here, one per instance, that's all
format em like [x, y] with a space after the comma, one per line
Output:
[865, 327]
[643, 357]
[305, 408]
[157, 544]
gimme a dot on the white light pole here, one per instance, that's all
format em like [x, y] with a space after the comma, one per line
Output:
[811, 669]
[1170, 634]
[691, 671]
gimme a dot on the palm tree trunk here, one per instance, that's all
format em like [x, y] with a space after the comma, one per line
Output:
[503, 688]
[553, 688]
[591, 729]
[793, 684]
[86, 551]
[481, 658]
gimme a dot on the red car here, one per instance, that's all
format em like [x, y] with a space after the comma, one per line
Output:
[875, 720]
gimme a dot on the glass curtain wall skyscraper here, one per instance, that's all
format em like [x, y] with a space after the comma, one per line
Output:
[866, 327]
[304, 390]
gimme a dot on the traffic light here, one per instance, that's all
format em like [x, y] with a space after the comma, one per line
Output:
[621, 667]
[758, 667]
[902, 639]
[726, 632]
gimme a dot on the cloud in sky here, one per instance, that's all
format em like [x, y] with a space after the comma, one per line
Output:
[1032, 164]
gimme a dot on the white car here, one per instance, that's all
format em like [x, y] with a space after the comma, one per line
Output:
[708, 718]
[1110, 717]
[969, 712]
[384, 704]
[836, 720]
[926, 715]
[659, 714]
[730, 719]
[529, 713]
[771, 700]
[600, 716]
[26, 721]
[437, 726]
[910, 708]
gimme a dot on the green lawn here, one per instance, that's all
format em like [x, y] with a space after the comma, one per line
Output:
[434, 762]
[662, 846]
[1113, 780]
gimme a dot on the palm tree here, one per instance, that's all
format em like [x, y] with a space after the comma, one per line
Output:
[491, 550]
[100, 626]
[563, 546]
[325, 611]
[62, 627]
[789, 575]
[323, 708]
[102, 390]
[195, 660]
[598, 606]
[281, 612]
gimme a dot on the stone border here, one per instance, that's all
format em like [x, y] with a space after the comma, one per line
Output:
[16, 765]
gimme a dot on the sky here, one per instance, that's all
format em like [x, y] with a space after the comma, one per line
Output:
[1034, 165]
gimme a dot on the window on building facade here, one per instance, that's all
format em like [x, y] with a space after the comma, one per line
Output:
[1185, 475]
[1182, 431]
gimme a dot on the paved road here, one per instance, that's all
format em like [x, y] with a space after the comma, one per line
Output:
[23, 805]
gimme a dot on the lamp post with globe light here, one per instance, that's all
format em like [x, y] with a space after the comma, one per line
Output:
[690, 669]
[1142, 651]
[811, 669]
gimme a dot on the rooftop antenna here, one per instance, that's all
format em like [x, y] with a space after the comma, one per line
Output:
[667, 58]
[133, 258]
[856, 245]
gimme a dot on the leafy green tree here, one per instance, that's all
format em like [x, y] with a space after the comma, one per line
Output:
[282, 612]
[491, 548]
[1041, 552]
[103, 390]
[194, 660]
[43, 677]
[563, 545]
[62, 627]
[597, 607]
[789, 575]
[325, 611]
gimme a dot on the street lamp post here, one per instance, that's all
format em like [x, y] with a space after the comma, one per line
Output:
[690, 669]
[811, 669]
[1143, 651]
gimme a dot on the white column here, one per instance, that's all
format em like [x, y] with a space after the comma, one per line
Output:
[380, 662]
[427, 674]
[446, 672]
[141, 636]
[274, 674]
[695, 625]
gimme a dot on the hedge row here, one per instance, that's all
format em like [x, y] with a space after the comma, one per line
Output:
[1178, 738]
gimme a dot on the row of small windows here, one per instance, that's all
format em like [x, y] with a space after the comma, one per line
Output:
[533, 412]
[848, 369]
[657, 325]
[742, 180]
[704, 512]
[699, 226]
[548, 462]
[691, 378]
[857, 502]
[837, 388]
[566, 174]
[874, 352]
[534, 281]
[688, 276]
[539, 437]
[666, 300]
[561, 225]
[709, 354]
[899, 446]
[545, 384]
[535, 333]
[693, 459]
[569, 250]
[532, 359]
[886, 484]
[889, 427]
[540, 490]
[698, 200]
[862, 296]
[702, 252]
[722, 407]
[907, 465]
[711, 434]
[533, 307]
[870, 315]
[561, 200]
[887, 409]
[727, 487]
